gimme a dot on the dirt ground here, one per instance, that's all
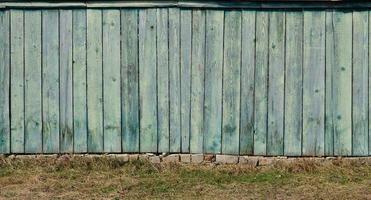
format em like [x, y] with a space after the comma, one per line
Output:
[107, 178]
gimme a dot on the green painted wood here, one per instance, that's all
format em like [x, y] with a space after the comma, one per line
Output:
[197, 81]
[231, 82]
[313, 83]
[95, 81]
[360, 84]
[147, 80]
[32, 59]
[65, 81]
[247, 82]
[341, 88]
[329, 114]
[4, 82]
[17, 81]
[174, 80]
[276, 83]
[185, 78]
[50, 80]
[213, 81]
[163, 80]
[111, 80]
[293, 84]
[129, 80]
[80, 134]
[261, 84]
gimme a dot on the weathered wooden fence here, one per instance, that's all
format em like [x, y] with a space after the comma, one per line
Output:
[257, 82]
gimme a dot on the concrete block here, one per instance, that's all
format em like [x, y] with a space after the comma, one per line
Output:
[197, 158]
[171, 158]
[264, 161]
[185, 158]
[155, 159]
[226, 159]
[123, 157]
[249, 160]
[133, 157]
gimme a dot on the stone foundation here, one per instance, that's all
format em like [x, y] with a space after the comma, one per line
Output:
[200, 158]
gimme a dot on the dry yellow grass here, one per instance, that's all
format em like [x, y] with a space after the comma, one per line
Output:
[109, 178]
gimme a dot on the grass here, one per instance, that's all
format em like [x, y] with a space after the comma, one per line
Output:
[108, 178]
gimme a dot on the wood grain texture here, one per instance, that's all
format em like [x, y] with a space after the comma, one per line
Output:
[293, 84]
[147, 80]
[95, 81]
[65, 81]
[276, 83]
[360, 84]
[248, 38]
[129, 81]
[50, 80]
[185, 78]
[32, 59]
[340, 51]
[369, 88]
[213, 81]
[4, 82]
[80, 128]
[163, 80]
[261, 84]
[17, 81]
[231, 83]
[174, 80]
[313, 84]
[111, 81]
[197, 81]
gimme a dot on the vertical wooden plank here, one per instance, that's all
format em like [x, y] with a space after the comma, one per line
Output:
[247, 82]
[111, 80]
[293, 84]
[147, 80]
[174, 80]
[79, 82]
[339, 65]
[32, 54]
[313, 83]
[163, 79]
[261, 84]
[50, 80]
[329, 114]
[129, 80]
[231, 82]
[197, 80]
[185, 79]
[94, 80]
[65, 81]
[213, 83]
[4, 82]
[276, 83]
[17, 81]
[360, 83]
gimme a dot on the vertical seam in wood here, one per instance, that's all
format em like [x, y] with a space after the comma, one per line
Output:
[222, 93]
[267, 87]
[190, 83]
[351, 93]
[24, 76]
[73, 80]
[86, 78]
[138, 77]
[204, 80]
[121, 106]
[42, 80]
[254, 71]
[10, 80]
[302, 82]
[284, 84]
[239, 114]
[168, 79]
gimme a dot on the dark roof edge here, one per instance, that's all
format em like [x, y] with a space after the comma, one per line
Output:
[298, 4]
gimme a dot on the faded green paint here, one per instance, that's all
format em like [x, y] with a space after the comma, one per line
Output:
[247, 82]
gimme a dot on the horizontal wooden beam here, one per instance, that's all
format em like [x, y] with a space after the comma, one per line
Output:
[263, 4]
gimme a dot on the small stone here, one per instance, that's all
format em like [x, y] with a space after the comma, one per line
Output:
[197, 158]
[123, 157]
[171, 158]
[185, 158]
[155, 159]
[209, 158]
[249, 160]
[133, 157]
[226, 159]
[330, 158]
